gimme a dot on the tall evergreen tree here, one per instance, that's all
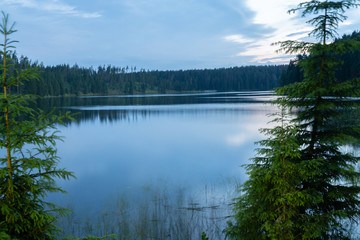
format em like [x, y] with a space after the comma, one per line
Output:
[323, 197]
[28, 165]
[270, 201]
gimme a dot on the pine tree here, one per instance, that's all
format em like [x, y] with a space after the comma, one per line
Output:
[324, 184]
[271, 198]
[28, 167]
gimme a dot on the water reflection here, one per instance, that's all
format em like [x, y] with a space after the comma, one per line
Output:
[134, 107]
[121, 143]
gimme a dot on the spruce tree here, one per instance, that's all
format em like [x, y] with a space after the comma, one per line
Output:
[28, 161]
[268, 207]
[322, 195]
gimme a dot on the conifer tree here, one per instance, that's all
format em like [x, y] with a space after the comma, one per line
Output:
[28, 161]
[270, 198]
[322, 193]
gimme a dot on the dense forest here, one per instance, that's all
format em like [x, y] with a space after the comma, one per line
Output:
[74, 80]
[349, 65]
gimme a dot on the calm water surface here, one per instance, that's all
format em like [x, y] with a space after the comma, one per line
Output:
[120, 144]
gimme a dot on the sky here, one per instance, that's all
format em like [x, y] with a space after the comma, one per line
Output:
[158, 34]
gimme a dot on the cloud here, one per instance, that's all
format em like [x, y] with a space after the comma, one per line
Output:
[54, 6]
[346, 23]
[262, 50]
[273, 14]
[237, 38]
[270, 14]
[298, 34]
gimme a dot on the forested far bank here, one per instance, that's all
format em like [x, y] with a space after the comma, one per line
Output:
[63, 79]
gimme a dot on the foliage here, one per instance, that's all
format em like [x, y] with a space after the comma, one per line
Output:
[314, 193]
[271, 197]
[29, 162]
[203, 236]
[348, 68]
[75, 80]
[112, 236]
[292, 73]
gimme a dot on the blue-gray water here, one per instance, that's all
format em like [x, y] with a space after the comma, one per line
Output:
[121, 144]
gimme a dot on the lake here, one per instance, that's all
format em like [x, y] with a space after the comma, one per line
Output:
[174, 155]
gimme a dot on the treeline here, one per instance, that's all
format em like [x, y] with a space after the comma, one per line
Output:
[63, 80]
[349, 69]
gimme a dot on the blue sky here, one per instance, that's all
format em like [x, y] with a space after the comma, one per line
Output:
[157, 34]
